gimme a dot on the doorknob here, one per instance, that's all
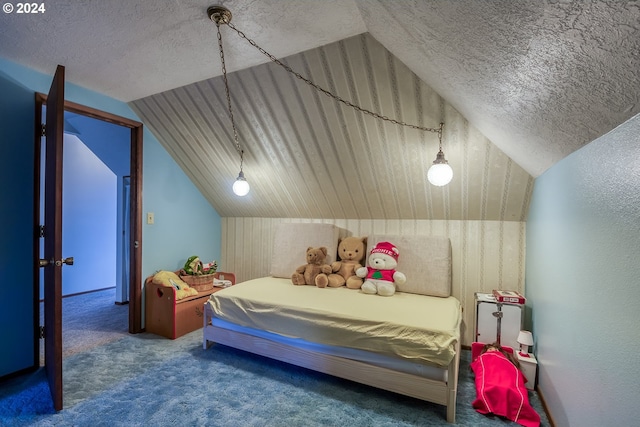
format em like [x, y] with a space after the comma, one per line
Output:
[46, 262]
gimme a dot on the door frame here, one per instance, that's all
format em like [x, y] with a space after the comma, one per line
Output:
[135, 241]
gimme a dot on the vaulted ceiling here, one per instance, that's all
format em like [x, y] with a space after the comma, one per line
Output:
[520, 85]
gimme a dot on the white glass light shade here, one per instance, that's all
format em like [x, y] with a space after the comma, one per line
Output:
[440, 174]
[241, 186]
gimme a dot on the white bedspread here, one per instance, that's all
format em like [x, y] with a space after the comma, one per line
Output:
[417, 328]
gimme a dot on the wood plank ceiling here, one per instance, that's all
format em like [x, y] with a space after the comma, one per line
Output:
[309, 156]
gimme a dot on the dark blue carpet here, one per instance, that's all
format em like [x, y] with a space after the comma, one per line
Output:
[145, 380]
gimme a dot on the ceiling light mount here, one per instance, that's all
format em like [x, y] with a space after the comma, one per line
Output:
[219, 14]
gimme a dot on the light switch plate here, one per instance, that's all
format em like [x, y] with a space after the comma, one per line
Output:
[150, 218]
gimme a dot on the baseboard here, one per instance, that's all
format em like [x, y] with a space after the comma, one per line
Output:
[85, 292]
[29, 370]
[552, 423]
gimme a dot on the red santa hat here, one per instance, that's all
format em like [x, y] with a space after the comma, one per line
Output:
[386, 248]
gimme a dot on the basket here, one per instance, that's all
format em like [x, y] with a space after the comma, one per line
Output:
[199, 283]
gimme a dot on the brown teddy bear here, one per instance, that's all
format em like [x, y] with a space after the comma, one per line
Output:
[315, 271]
[351, 251]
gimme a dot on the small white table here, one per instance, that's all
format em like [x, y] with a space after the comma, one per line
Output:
[529, 367]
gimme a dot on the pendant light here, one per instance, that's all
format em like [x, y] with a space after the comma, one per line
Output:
[218, 15]
[241, 186]
[440, 173]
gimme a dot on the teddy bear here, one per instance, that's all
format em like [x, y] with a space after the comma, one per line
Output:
[381, 277]
[351, 251]
[315, 271]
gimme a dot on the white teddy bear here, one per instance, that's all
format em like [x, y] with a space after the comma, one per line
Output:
[381, 277]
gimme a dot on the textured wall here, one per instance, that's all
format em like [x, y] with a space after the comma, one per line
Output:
[582, 279]
[486, 254]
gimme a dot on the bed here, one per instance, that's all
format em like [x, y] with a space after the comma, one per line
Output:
[408, 343]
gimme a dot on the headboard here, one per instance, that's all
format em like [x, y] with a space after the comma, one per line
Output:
[291, 241]
[425, 260]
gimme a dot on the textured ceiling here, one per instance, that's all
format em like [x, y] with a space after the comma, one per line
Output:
[537, 78]
[129, 49]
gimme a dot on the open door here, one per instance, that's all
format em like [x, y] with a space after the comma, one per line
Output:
[53, 261]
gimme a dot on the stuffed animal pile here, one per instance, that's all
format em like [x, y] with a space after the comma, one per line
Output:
[379, 278]
[195, 267]
[170, 279]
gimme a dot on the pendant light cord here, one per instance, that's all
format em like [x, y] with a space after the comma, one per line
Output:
[228, 93]
[220, 14]
[319, 88]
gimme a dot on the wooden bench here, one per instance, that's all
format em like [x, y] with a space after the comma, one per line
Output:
[172, 318]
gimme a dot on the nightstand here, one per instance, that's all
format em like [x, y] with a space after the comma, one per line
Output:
[529, 367]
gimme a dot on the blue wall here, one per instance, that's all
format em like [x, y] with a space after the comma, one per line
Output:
[583, 281]
[16, 216]
[89, 220]
[112, 144]
[185, 223]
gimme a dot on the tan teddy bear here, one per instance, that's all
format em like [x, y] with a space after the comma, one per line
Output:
[351, 250]
[315, 271]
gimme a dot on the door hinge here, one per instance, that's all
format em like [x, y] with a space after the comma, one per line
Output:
[41, 332]
[40, 231]
[43, 129]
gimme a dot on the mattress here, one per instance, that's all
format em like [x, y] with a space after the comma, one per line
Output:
[394, 363]
[416, 328]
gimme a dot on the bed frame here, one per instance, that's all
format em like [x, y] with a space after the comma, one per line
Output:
[439, 392]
